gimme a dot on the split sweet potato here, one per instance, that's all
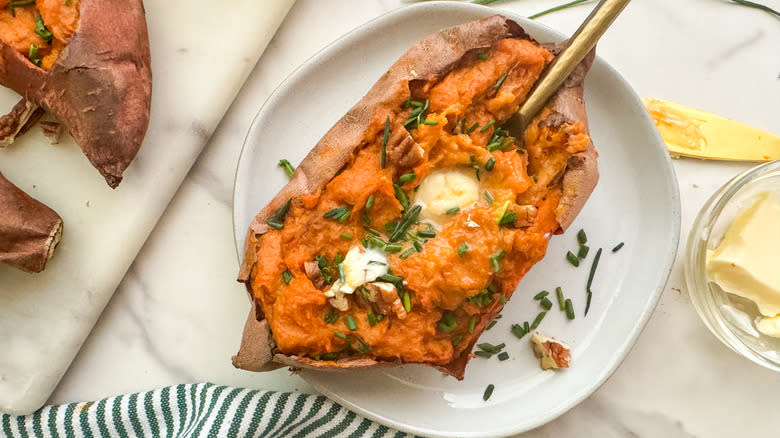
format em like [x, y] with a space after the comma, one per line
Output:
[29, 230]
[87, 62]
[359, 192]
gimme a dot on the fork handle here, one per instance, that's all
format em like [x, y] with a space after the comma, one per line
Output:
[579, 45]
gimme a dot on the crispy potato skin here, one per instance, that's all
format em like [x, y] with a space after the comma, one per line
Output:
[29, 230]
[435, 56]
[100, 86]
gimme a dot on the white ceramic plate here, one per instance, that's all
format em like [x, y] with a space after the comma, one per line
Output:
[636, 201]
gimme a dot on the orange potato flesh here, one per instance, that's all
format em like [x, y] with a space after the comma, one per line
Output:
[438, 278]
[17, 29]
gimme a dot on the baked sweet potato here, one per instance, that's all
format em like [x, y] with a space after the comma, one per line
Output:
[404, 231]
[86, 62]
[29, 230]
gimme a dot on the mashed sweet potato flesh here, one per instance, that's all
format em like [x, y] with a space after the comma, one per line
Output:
[18, 24]
[465, 109]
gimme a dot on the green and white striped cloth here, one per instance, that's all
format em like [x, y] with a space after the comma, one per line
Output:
[197, 410]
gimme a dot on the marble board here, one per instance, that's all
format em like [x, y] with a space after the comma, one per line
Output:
[199, 62]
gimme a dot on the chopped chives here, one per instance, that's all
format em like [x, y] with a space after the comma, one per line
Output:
[401, 196]
[488, 392]
[518, 331]
[447, 323]
[495, 260]
[490, 164]
[490, 348]
[462, 249]
[393, 247]
[472, 128]
[582, 238]
[538, 320]
[502, 299]
[492, 323]
[547, 304]
[488, 125]
[371, 318]
[456, 340]
[472, 323]
[430, 122]
[587, 302]
[462, 126]
[351, 323]
[453, 210]
[541, 295]
[407, 302]
[340, 335]
[482, 55]
[390, 278]
[370, 202]
[345, 236]
[426, 234]
[526, 327]
[501, 80]
[286, 276]
[288, 168]
[590, 278]
[484, 354]
[371, 230]
[336, 213]
[503, 356]
[277, 221]
[572, 258]
[488, 197]
[617, 248]
[493, 146]
[385, 137]
[405, 178]
[417, 246]
[569, 309]
[593, 267]
[561, 299]
[331, 317]
[583, 252]
[406, 254]
[342, 275]
[409, 218]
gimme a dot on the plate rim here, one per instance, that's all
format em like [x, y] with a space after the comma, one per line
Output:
[640, 323]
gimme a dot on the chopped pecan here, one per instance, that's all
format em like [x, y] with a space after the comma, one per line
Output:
[387, 302]
[551, 352]
[312, 270]
[525, 215]
[402, 150]
[339, 302]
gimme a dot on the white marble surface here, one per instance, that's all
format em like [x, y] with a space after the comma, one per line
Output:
[198, 68]
[177, 316]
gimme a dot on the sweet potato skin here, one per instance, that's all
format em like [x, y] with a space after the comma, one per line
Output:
[29, 230]
[100, 87]
[434, 56]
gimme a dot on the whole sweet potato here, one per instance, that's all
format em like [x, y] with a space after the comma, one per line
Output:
[87, 62]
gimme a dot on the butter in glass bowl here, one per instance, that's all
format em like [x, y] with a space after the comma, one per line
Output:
[732, 264]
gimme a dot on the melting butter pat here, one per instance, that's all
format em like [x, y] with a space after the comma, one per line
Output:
[360, 266]
[747, 260]
[443, 191]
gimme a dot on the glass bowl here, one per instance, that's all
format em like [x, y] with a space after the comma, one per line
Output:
[730, 317]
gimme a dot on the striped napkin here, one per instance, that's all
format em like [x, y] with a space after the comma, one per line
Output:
[197, 410]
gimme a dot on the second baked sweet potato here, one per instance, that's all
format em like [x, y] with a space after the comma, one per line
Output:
[87, 62]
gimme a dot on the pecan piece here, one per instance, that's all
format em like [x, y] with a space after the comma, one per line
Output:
[551, 352]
